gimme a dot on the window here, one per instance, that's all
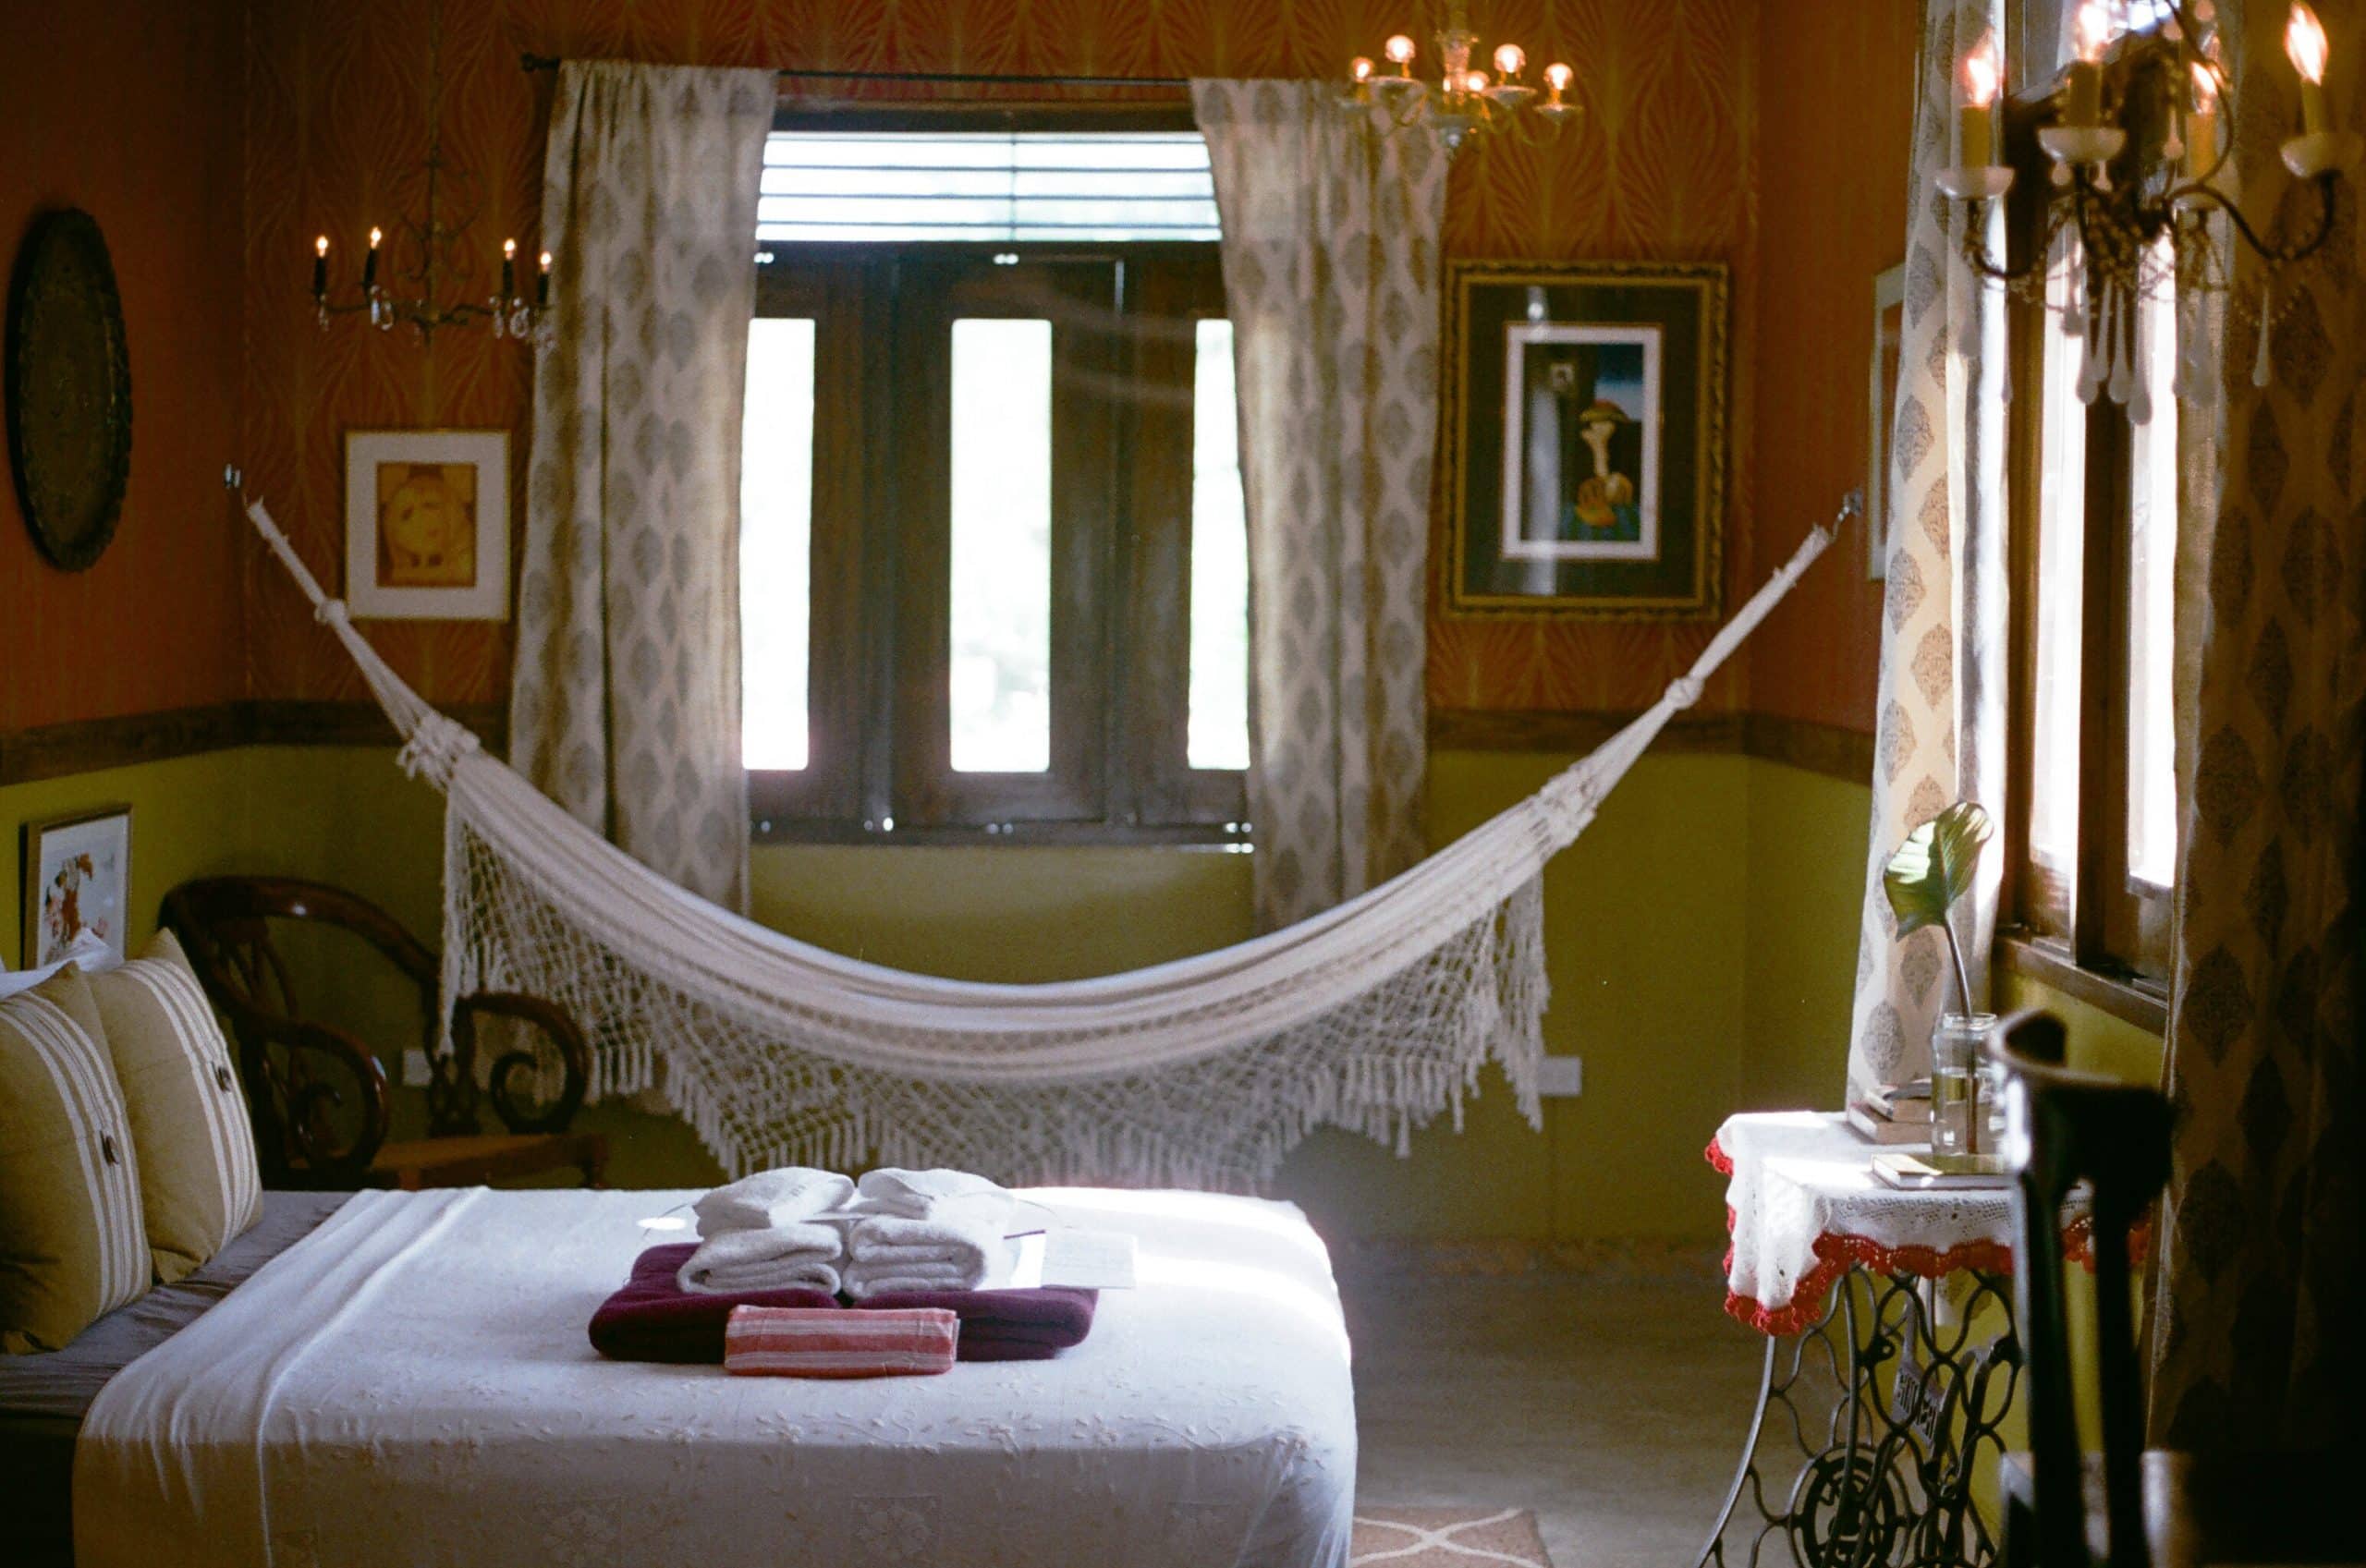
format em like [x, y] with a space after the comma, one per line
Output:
[993, 561]
[2095, 513]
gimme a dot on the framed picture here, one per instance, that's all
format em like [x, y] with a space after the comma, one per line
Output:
[427, 524]
[1881, 399]
[1585, 439]
[78, 880]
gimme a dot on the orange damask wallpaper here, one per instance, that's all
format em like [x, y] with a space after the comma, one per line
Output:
[130, 112]
[1663, 167]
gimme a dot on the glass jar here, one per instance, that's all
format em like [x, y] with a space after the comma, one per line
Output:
[1959, 1106]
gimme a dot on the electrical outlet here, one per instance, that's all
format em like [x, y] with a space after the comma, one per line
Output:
[1561, 1077]
[416, 1074]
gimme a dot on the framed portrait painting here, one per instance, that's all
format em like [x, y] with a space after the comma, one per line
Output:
[427, 524]
[78, 883]
[1585, 439]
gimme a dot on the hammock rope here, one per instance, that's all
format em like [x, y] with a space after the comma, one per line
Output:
[1376, 1015]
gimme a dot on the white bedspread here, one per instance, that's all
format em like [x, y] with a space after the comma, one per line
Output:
[411, 1384]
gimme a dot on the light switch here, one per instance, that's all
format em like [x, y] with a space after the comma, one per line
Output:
[1561, 1077]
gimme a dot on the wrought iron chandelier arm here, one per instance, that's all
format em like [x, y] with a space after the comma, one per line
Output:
[2282, 254]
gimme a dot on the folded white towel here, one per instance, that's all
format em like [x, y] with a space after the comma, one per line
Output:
[804, 1255]
[918, 1195]
[772, 1198]
[958, 1251]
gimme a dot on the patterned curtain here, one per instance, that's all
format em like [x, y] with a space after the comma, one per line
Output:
[1940, 736]
[1332, 279]
[2258, 1275]
[625, 698]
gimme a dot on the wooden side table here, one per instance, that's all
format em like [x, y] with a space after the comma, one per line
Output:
[1879, 1397]
[481, 1159]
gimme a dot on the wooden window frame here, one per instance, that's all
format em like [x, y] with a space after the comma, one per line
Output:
[878, 767]
[2099, 934]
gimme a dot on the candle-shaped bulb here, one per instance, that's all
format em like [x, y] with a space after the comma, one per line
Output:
[1557, 76]
[2083, 92]
[1476, 82]
[1400, 49]
[1510, 60]
[320, 266]
[1359, 68]
[542, 283]
[2202, 123]
[1976, 120]
[321, 247]
[2091, 31]
[375, 236]
[1981, 76]
[370, 261]
[508, 269]
[2304, 42]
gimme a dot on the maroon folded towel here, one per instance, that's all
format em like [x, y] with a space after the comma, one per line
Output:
[1006, 1325]
[654, 1318]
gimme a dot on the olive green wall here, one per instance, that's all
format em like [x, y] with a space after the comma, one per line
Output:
[1701, 942]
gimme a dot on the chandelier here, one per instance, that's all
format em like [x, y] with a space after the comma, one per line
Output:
[1462, 99]
[435, 247]
[2137, 130]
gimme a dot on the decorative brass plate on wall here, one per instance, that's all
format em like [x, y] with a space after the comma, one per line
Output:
[69, 388]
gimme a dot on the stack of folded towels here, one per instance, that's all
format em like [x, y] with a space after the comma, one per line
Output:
[776, 1229]
[792, 1241]
[926, 1231]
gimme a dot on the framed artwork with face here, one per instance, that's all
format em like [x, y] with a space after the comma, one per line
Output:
[427, 524]
[1585, 439]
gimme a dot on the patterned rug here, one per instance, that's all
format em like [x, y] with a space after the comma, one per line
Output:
[1447, 1537]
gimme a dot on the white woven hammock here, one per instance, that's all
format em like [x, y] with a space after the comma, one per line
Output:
[1376, 1015]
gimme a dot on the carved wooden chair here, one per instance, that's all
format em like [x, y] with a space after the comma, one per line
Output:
[319, 1096]
[2125, 1506]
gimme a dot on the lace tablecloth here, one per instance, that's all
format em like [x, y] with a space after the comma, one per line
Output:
[1804, 1208]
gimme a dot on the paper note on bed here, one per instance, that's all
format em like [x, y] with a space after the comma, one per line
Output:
[1086, 1259]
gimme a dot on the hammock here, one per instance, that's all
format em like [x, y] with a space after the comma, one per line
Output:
[1374, 1016]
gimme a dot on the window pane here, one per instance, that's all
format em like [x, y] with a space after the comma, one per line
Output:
[776, 541]
[2152, 761]
[1001, 546]
[1219, 713]
[985, 186]
[2053, 792]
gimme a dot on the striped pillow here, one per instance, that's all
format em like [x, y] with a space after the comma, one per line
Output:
[189, 1121]
[72, 1246]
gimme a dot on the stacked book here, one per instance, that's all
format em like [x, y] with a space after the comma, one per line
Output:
[1894, 1113]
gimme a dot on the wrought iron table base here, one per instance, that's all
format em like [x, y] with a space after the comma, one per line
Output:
[1885, 1474]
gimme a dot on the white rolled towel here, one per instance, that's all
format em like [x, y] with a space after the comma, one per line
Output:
[800, 1255]
[964, 1250]
[770, 1199]
[921, 1194]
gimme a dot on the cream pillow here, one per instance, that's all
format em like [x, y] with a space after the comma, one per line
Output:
[198, 1178]
[72, 1245]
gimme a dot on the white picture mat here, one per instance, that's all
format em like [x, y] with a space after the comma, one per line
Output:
[1516, 545]
[488, 452]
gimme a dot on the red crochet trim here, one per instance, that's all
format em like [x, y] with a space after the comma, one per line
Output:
[1836, 1255]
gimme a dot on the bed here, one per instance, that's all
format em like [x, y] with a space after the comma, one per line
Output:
[409, 1382]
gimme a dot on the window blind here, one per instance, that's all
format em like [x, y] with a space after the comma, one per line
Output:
[987, 185]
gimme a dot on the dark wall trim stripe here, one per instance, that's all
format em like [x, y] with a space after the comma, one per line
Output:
[53, 751]
[85, 746]
[1798, 743]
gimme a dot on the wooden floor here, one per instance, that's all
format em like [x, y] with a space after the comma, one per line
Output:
[1610, 1403]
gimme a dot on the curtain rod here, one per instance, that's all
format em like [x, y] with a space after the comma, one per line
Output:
[950, 79]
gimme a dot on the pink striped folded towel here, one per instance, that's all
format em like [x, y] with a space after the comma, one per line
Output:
[806, 1341]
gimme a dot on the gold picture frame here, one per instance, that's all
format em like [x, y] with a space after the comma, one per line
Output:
[427, 524]
[1555, 368]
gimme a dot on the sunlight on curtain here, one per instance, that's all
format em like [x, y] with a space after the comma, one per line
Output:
[2152, 652]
